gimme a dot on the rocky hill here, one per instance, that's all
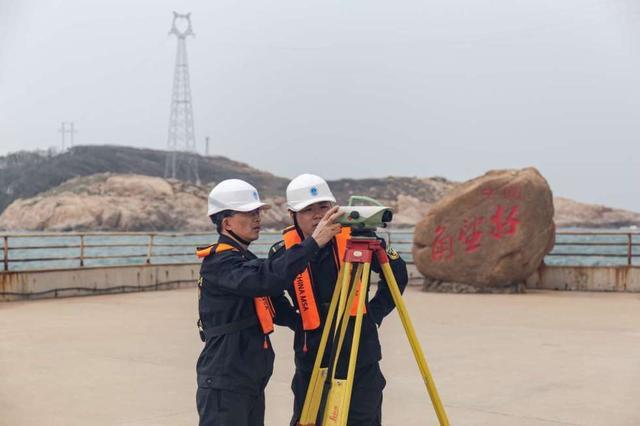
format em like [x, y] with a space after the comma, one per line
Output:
[26, 174]
[129, 202]
[571, 213]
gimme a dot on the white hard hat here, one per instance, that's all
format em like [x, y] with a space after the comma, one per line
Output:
[307, 189]
[236, 195]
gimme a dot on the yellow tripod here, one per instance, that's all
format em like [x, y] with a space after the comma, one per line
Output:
[327, 401]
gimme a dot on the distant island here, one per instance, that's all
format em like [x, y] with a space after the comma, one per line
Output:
[115, 188]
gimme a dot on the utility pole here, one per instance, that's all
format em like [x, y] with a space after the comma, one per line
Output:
[67, 129]
[63, 131]
[207, 146]
[72, 131]
[182, 158]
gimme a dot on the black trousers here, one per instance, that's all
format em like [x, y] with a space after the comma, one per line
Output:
[366, 398]
[219, 407]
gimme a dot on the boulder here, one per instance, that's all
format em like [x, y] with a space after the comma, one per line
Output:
[492, 231]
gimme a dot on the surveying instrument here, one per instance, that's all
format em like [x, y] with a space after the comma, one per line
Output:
[328, 397]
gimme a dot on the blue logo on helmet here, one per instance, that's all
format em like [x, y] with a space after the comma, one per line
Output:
[314, 191]
[255, 195]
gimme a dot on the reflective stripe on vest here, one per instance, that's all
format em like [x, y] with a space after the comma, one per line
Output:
[263, 305]
[302, 284]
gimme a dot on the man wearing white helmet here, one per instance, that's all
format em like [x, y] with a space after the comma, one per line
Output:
[309, 199]
[235, 310]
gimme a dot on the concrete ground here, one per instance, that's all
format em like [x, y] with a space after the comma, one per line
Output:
[543, 358]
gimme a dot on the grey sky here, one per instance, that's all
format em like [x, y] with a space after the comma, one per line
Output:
[344, 88]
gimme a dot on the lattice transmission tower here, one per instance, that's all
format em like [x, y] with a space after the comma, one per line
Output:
[182, 161]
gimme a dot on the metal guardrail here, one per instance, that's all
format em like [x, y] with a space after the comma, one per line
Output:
[78, 242]
[629, 244]
[149, 245]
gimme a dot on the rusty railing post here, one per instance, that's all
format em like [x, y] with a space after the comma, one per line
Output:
[5, 250]
[81, 250]
[149, 249]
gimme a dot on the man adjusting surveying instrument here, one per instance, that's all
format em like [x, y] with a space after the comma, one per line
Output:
[338, 379]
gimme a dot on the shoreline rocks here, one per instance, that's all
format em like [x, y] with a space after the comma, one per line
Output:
[128, 202]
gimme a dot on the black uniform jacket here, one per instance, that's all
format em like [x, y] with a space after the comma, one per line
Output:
[239, 361]
[324, 273]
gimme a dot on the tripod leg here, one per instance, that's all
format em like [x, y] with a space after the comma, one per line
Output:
[334, 387]
[344, 321]
[337, 409]
[344, 292]
[413, 341]
[318, 374]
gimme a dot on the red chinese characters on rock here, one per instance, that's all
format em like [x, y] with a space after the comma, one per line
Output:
[488, 192]
[506, 226]
[471, 234]
[513, 192]
[442, 246]
[503, 222]
[510, 192]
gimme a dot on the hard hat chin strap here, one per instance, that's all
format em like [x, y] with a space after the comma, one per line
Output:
[295, 223]
[297, 226]
[238, 238]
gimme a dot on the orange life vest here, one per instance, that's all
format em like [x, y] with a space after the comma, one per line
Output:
[264, 308]
[302, 285]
